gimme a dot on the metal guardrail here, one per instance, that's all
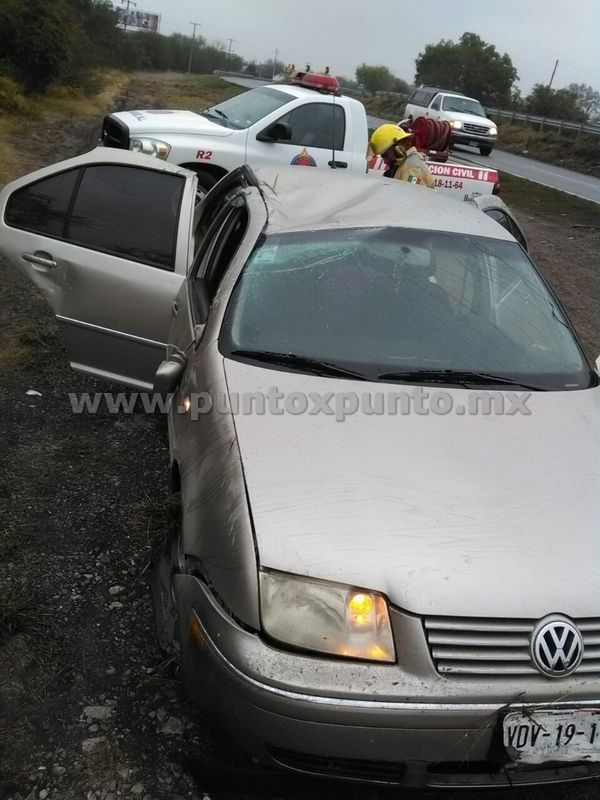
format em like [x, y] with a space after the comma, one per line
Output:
[588, 128]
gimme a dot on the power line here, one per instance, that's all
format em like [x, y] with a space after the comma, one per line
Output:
[192, 43]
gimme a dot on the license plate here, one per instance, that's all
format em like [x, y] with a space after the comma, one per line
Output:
[534, 737]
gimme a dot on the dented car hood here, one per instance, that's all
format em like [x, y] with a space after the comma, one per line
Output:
[167, 121]
[495, 516]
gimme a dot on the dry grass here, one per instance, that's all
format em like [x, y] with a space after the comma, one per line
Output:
[533, 198]
[193, 92]
[581, 155]
[159, 90]
[17, 344]
[61, 102]
[386, 107]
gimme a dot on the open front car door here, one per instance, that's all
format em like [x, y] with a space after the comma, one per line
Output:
[107, 238]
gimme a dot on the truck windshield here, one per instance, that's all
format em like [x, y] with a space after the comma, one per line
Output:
[245, 109]
[392, 302]
[463, 105]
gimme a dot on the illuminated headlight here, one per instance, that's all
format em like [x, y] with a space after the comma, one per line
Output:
[457, 125]
[151, 147]
[493, 131]
[326, 617]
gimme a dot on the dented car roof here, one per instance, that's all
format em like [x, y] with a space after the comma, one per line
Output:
[308, 199]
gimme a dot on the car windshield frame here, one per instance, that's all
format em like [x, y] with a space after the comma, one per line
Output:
[476, 108]
[224, 113]
[495, 254]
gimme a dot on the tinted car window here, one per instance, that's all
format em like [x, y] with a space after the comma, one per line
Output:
[499, 216]
[419, 98]
[503, 219]
[42, 207]
[317, 125]
[227, 244]
[130, 212]
[436, 104]
[389, 300]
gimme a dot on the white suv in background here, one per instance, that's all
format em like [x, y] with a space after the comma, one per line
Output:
[466, 115]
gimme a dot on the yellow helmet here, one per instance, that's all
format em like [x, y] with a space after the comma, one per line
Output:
[385, 136]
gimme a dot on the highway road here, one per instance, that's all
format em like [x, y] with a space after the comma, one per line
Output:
[566, 180]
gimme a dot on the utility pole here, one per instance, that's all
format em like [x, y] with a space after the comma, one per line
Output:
[127, 3]
[231, 41]
[196, 25]
[553, 73]
[274, 63]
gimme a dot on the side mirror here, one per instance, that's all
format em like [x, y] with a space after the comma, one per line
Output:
[169, 374]
[277, 132]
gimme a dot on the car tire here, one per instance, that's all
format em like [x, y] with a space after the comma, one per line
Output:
[206, 181]
[167, 561]
[485, 149]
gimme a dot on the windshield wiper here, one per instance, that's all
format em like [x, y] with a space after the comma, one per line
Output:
[209, 114]
[459, 377]
[303, 363]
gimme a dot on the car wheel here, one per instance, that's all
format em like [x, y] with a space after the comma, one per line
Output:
[167, 561]
[485, 149]
[206, 181]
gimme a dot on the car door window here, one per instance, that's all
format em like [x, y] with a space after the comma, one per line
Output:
[436, 104]
[321, 125]
[506, 222]
[128, 211]
[499, 216]
[228, 241]
[43, 207]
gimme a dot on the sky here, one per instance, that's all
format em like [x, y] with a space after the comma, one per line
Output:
[344, 33]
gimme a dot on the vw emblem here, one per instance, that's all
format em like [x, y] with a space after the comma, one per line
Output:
[556, 647]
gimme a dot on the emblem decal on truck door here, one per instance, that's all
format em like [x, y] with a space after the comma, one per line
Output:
[303, 159]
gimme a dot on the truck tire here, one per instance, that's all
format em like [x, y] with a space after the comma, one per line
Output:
[485, 149]
[205, 181]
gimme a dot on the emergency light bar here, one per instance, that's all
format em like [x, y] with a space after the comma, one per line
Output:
[311, 80]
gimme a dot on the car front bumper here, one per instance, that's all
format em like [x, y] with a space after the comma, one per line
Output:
[474, 139]
[261, 696]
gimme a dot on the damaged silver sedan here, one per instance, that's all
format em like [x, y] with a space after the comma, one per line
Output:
[384, 441]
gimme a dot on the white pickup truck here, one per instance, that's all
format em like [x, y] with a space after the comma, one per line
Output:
[307, 123]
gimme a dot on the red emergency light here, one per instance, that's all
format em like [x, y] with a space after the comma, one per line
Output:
[312, 80]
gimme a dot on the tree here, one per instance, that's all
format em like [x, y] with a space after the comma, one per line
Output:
[588, 99]
[470, 66]
[376, 78]
[347, 83]
[554, 103]
[400, 87]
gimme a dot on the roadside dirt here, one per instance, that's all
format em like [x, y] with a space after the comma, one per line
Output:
[88, 707]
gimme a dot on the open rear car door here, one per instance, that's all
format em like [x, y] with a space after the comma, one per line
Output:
[107, 238]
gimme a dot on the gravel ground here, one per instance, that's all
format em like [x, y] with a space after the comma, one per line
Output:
[88, 707]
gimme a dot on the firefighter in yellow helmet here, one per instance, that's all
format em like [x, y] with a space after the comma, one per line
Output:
[403, 160]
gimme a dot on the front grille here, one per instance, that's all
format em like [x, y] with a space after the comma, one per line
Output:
[115, 133]
[497, 647]
[480, 130]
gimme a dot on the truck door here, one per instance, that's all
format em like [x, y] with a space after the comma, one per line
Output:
[316, 131]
